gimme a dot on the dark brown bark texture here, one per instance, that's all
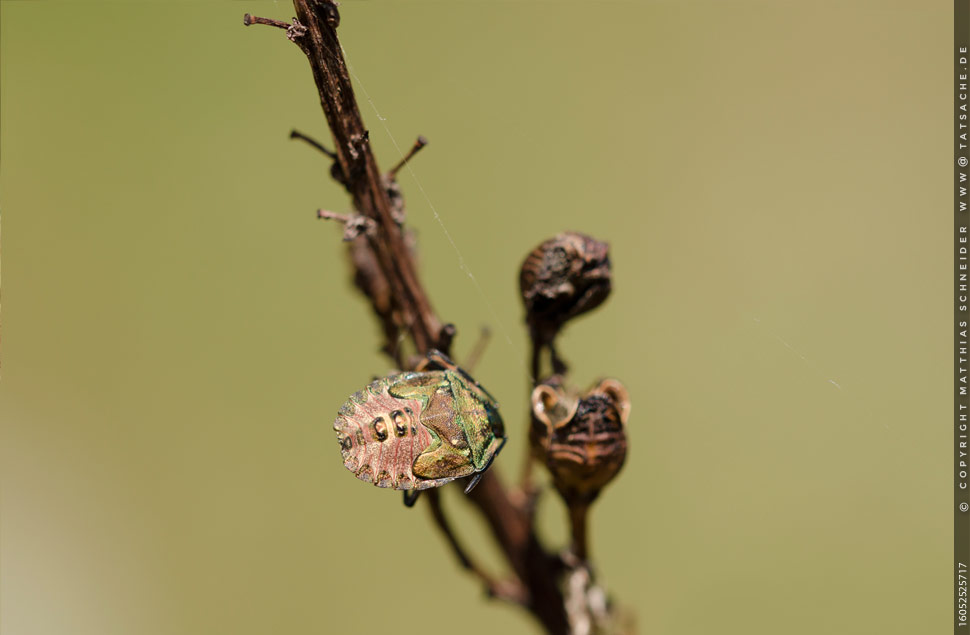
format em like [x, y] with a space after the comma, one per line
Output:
[563, 277]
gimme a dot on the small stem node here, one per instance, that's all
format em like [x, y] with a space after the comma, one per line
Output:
[354, 224]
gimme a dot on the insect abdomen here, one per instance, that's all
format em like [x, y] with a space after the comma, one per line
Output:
[381, 435]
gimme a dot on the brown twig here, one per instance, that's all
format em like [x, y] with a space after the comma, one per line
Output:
[294, 134]
[512, 528]
[420, 143]
[352, 146]
[385, 272]
[510, 590]
[578, 514]
[250, 20]
[354, 224]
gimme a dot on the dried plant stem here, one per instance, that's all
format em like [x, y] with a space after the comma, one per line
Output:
[318, 41]
[386, 273]
[513, 529]
[509, 590]
[420, 143]
[249, 20]
[294, 134]
[578, 513]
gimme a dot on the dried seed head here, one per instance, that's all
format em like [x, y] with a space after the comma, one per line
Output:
[581, 441]
[553, 406]
[563, 277]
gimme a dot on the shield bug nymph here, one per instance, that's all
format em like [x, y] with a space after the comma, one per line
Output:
[420, 429]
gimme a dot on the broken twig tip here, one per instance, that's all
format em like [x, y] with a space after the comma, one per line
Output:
[420, 143]
[295, 134]
[249, 20]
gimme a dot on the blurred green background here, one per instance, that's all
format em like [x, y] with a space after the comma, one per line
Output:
[178, 330]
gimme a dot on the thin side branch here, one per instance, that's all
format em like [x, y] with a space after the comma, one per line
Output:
[420, 143]
[512, 527]
[294, 134]
[510, 590]
[250, 20]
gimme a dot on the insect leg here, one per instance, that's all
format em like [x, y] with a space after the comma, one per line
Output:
[478, 476]
[438, 359]
[473, 482]
[411, 497]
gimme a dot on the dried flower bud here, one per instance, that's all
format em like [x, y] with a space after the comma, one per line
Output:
[562, 278]
[581, 441]
[552, 404]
